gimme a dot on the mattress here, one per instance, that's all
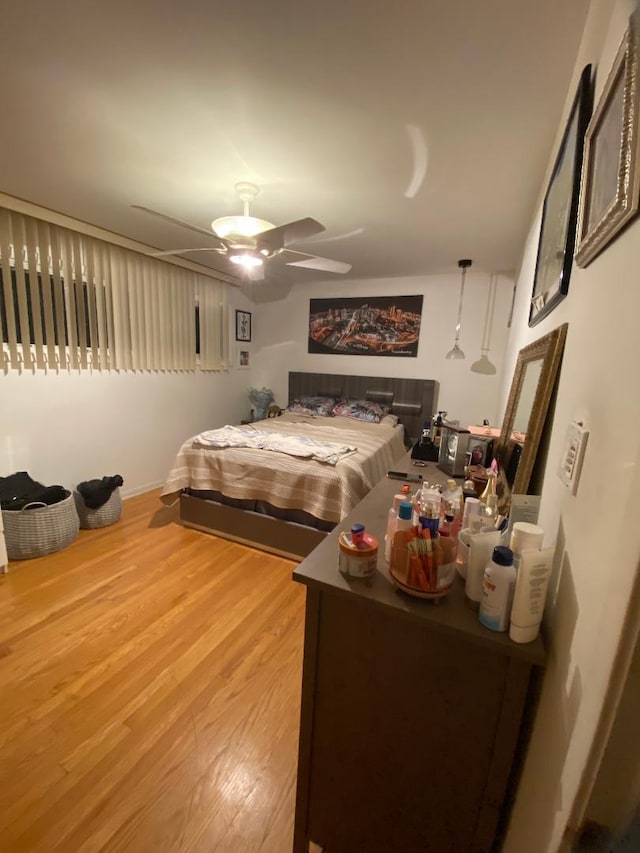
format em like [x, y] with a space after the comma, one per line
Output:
[327, 492]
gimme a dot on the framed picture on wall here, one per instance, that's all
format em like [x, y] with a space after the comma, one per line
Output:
[243, 358]
[243, 325]
[367, 325]
[556, 242]
[611, 181]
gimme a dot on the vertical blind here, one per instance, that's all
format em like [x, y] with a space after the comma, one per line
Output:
[76, 301]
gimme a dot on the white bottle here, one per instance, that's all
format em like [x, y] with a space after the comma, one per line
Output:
[481, 547]
[498, 586]
[391, 524]
[525, 536]
[530, 595]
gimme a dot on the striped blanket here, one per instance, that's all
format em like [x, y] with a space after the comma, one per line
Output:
[327, 491]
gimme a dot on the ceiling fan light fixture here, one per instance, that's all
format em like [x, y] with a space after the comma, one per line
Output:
[246, 260]
[239, 226]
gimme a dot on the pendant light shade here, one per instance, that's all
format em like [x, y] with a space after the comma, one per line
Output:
[483, 365]
[455, 352]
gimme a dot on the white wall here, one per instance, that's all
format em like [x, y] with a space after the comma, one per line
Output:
[73, 426]
[597, 530]
[281, 340]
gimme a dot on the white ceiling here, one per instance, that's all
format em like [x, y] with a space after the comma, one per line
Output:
[416, 132]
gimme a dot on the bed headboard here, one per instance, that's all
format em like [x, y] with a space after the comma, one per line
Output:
[412, 400]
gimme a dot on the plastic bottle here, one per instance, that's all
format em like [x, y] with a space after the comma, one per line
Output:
[525, 536]
[498, 586]
[481, 547]
[471, 507]
[399, 557]
[451, 504]
[392, 522]
[530, 594]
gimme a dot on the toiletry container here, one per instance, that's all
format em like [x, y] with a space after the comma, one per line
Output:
[498, 586]
[357, 552]
[471, 507]
[399, 557]
[392, 523]
[530, 594]
[481, 546]
[525, 536]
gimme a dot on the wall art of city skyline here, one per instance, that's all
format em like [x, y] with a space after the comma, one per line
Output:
[377, 325]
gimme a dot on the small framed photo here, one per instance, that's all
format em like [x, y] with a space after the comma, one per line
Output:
[243, 325]
[243, 358]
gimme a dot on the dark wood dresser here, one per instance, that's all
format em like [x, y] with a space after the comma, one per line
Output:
[412, 712]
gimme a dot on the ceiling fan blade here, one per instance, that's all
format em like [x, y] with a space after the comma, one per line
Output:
[292, 232]
[171, 219]
[184, 251]
[311, 262]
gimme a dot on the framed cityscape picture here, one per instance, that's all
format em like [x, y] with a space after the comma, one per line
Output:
[373, 325]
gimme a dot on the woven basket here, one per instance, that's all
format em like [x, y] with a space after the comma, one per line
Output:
[38, 529]
[101, 517]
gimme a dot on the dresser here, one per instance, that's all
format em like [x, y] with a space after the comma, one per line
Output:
[413, 714]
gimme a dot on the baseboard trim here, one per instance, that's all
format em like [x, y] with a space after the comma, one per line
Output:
[140, 490]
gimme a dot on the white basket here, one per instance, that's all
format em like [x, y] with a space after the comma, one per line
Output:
[39, 529]
[103, 515]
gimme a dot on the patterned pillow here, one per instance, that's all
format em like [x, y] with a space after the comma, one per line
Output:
[362, 410]
[321, 406]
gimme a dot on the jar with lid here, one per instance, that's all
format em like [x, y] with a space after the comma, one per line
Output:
[357, 552]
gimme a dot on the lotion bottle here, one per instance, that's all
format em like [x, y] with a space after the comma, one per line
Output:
[399, 557]
[498, 586]
[525, 536]
[392, 522]
[530, 594]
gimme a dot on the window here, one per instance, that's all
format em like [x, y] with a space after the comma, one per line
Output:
[101, 306]
[40, 302]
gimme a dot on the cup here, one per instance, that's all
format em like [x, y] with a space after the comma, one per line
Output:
[462, 558]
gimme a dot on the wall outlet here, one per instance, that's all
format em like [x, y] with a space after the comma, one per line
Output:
[572, 455]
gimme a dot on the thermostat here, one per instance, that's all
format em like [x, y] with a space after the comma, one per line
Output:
[572, 455]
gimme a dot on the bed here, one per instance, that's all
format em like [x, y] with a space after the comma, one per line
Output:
[285, 504]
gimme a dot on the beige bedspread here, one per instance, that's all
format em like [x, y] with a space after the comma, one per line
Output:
[326, 491]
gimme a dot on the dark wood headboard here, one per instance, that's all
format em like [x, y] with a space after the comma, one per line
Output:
[412, 400]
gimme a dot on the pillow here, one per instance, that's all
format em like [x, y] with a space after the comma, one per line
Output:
[390, 420]
[361, 410]
[321, 406]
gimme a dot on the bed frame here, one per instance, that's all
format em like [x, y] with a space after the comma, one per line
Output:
[412, 400]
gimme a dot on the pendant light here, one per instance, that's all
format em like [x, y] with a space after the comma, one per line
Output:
[455, 351]
[483, 365]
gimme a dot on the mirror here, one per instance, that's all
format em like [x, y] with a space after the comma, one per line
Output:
[533, 382]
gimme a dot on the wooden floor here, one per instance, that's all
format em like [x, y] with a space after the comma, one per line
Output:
[150, 689]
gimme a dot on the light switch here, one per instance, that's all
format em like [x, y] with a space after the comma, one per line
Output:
[572, 455]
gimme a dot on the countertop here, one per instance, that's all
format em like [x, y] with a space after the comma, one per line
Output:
[450, 614]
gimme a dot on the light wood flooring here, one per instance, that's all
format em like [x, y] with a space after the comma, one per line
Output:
[150, 689]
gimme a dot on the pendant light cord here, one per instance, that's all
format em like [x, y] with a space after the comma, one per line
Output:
[488, 318]
[459, 323]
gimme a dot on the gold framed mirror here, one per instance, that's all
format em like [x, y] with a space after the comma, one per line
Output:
[532, 386]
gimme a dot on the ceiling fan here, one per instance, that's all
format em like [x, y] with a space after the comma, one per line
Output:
[251, 243]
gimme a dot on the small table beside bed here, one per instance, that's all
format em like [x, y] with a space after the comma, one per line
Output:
[285, 501]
